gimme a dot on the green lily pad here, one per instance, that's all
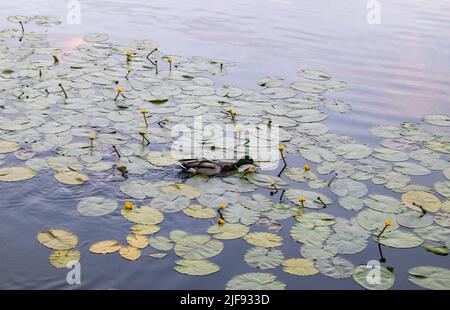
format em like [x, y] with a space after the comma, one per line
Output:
[264, 258]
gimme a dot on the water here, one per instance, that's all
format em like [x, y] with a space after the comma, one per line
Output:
[397, 71]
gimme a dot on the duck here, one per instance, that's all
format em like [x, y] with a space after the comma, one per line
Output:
[212, 167]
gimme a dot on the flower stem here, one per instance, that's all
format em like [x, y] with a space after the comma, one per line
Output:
[63, 90]
[321, 201]
[285, 164]
[148, 57]
[382, 231]
[332, 179]
[23, 31]
[421, 208]
[145, 119]
[117, 151]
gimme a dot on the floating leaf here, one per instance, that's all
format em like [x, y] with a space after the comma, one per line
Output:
[181, 189]
[418, 200]
[200, 212]
[8, 147]
[437, 119]
[71, 177]
[144, 229]
[14, 174]
[105, 247]
[263, 258]
[443, 188]
[399, 239]
[96, 206]
[263, 239]
[161, 243]
[228, 231]
[299, 267]
[336, 267]
[130, 253]
[198, 247]
[137, 241]
[64, 258]
[58, 239]
[198, 267]
[430, 277]
[374, 279]
[255, 281]
[143, 215]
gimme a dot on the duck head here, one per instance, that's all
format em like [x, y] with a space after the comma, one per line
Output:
[246, 160]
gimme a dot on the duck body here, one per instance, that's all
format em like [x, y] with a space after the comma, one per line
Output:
[206, 167]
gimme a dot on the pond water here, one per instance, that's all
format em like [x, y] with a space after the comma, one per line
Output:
[396, 71]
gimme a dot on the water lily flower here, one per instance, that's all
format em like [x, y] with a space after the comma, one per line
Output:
[222, 206]
[169, 60]
[128, 205]
[302, 200]
[229, 110]
[387, 223]
[250, 170]
[281, 148]
[307, 167]
[129, 55]
[92, 138]
[221, 221]
[144, 111]
[239, 129]
[119, 91]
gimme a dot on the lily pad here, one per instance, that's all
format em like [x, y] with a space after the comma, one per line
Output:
[105, 247]
[374, 277]
[96, 206]
[15, 174]
[255, 281]
[198, 267]
[430, 277]
[58, 239]
[299, 267]
[264, 258]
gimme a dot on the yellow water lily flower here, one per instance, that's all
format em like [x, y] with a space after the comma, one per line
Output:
[307, 167]
[282, 148]
[229, 110]
[222, 206]
[301, 199]
[221, 221]
[169, 59]
[250, 170]
[92, 137]
[119, 89]
[239, 129]
[388, 223]
[128, 205]
[166, 119]
[144, 110]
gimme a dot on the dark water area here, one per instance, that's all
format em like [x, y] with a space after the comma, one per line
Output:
[396, 71]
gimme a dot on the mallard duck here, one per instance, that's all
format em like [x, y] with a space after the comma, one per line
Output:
[212, 167]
